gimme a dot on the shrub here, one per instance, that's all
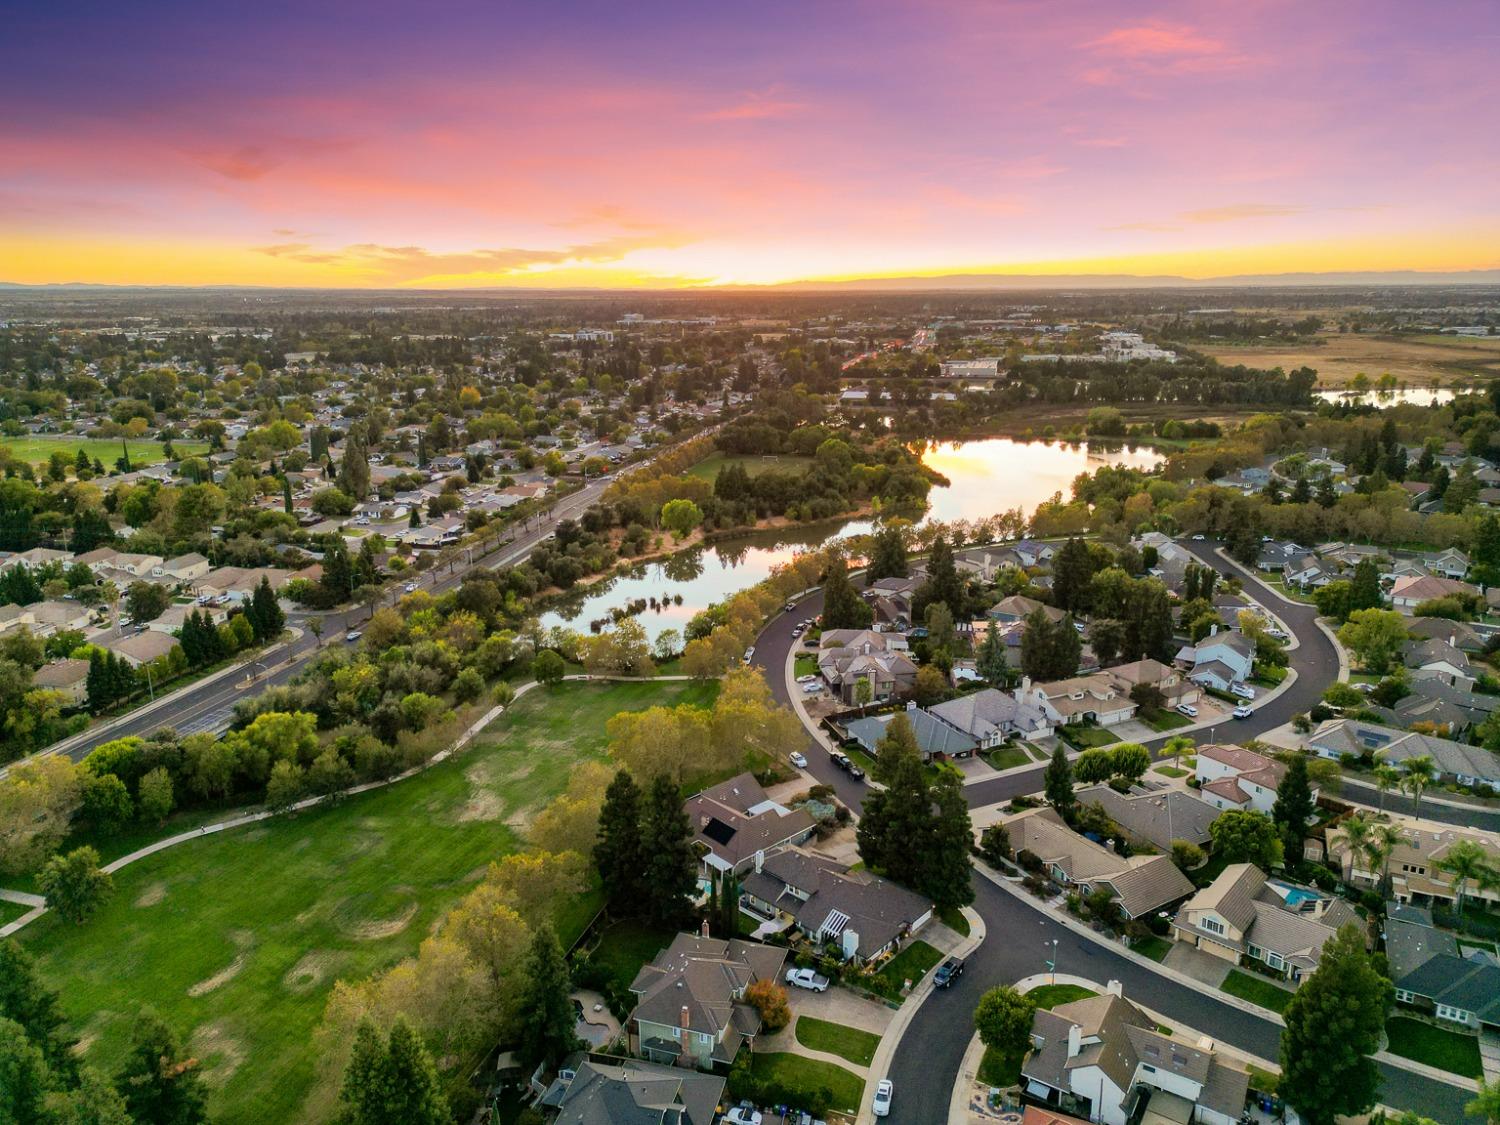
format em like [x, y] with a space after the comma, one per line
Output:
[994, 845]
[1030, 861]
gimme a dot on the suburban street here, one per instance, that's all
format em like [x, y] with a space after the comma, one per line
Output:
[1020, 931]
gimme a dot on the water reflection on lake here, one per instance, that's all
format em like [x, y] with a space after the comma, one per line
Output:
[986, 477]
[1409, 396]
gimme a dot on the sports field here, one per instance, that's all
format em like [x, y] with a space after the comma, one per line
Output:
[39, 450]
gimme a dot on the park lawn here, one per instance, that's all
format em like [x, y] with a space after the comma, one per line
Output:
[1434, 1046]
[755, 464]
[1007, 757]
[1256, 990]
[914, 961]
[798, 1073]
[847, 1042]
[39, 450]
[1051, 995]
[237, 939]
[1153, 947]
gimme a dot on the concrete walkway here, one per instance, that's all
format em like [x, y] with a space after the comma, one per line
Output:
[39, 904]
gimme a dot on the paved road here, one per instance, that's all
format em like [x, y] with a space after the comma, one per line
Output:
[1020, 934]
[209, 706]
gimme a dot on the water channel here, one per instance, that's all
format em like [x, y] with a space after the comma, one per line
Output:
[986, 476]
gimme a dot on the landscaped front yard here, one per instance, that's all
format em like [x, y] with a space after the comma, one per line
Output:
[1249, 987]
[803, 1074]
[1051, 995]
[238, 938]
[1435, 1046]
[912, 963]
[1006, 757]
[1168, 720]
[1086, 738]
[847, 1042]
[1153, 947]
[805, 665]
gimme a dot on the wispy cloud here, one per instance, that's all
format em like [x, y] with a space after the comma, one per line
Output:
[1156, 39]
[1156, 228]
[762, 105]
[1235, 212]
[255, 160]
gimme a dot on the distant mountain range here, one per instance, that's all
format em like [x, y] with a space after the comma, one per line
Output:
[971, 282]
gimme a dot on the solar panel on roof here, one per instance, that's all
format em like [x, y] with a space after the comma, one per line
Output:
[717, 831]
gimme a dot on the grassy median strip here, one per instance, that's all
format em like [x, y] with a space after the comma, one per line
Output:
[836, 1039]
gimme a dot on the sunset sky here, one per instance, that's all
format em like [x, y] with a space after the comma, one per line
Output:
[558, 143]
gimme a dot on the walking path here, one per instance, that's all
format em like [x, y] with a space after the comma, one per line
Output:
[39, 906]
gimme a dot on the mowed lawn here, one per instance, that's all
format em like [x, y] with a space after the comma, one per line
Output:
[39, 450]
[755, 464]
[238, 938]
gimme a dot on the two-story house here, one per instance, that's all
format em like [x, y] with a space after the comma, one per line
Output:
[1246, 915]
[990, 717]
[1096, 698]
[690, 1002]
[1220, 660]
[736, 819]
[1415, 866]
[1103, 1059]
[1231, 777]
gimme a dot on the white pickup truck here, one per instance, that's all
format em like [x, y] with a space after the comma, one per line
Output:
[806, 978]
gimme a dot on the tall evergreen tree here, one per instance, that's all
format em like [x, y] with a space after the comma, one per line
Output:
[392, 1083]
[1294, 808]
[944, 584]
[545, 1010]
[1364, 587]
[990, 661]
[843, 608]
[160, 1085]
[1057, 784]
[619, 854]
[286, 494]
[729, 906]
[888, 557]
[1072, 570]
[946, 873]
[896, 821]
[25, 999]
[667, 835]
[265, 612]
[1334, 1023]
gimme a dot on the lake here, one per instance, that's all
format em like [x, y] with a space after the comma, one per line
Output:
[986, 477]
[1408, 396]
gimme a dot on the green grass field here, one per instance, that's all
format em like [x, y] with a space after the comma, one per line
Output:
[1006, 757]
[39, 450]
[1050, 996]
[238, 939]
[914, 961]
[798, 1073]
[708, 468]
[1434, 1046]
[1153, 947]
[1256, 990]
[835, 1039]
[10, 911]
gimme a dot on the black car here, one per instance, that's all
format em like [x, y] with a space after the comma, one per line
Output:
[948, 972]
[845, 763]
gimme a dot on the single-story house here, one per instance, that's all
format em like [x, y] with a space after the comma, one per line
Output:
[936, 739]
[1457, 762]
[1433, 975]
[990, 716]
[1157, 818]
[1018, 608]
[1410, 591]
[592, 1091]
[139, 648]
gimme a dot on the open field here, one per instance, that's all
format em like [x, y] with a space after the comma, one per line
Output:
[39, 450]
[238, 939]
[1415, 361]
[709, 467]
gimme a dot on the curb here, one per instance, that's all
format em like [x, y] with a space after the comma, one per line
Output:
[890, 1042]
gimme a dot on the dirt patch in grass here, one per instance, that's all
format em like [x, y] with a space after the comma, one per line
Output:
[390, 927]
[152, 895]
[244, 939]
[222, 1053]
[310, 971]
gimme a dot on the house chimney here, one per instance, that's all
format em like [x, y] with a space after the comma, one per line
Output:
[1115, 988]
[1213, 630]
[683, 1017]
[760, 859]
[1075, 1040]
[703, 930]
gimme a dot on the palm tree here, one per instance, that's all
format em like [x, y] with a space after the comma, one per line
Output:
[1416, 775]
[1380, 847]
[1356, 842]
[1177, 747]
[1466, 861]
[1386, 777]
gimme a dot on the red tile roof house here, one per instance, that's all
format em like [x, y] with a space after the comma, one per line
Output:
[1409, 592]
[1231, 777]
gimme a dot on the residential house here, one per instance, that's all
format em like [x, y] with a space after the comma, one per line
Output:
[1410, 591]
[1308, 572]
[37, 557]
[1450, 710]
[735, 820]
[596, 1091]
[1459, 634]
[1431, 658]
[1175, 689]
[1103, 1059]
[1246, 915]
[1414, 868]
[174, 617]
[1274, 555]
[690, 1001]
[1451, 563]
[238, 583]
[1157, 818]
[890, 599]
[865, 917]
[1433, 973]
[67, 677]
[1220, 660]
[1018, 608]
[46, 617]
[184, 569]
[936, 739]
[1095, 698]
[848, 656]
[140, 648]
[1031, 554]
[990, 717]
[1140, 884]
[1231, 777]
[131, 566]
[1455, 762]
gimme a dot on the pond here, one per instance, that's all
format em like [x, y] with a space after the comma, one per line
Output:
[986, 477]
[1412, 396]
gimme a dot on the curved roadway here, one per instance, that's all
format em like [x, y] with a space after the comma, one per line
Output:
[1020, 933]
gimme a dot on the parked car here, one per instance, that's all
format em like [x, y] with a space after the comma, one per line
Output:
[812, 688]
[799, 759]
[749, 654]
[744, 1114]
[790, 607]
[846, 763]
[884, 1092]
[1278, 634]
[806, 978]
[411, 587]
[1199, 538]
[948, 972]
[352, 635]
[1243, 712]
[1188, 709]
[1244, 691]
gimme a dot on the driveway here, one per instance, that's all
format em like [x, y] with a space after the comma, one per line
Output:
[1195, 963]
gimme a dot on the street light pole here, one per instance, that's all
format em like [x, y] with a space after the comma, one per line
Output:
[1052, 964]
